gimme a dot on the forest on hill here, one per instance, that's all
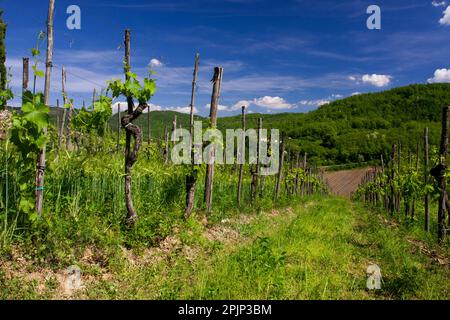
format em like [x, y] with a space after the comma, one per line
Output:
[352, 130]
[356, 129]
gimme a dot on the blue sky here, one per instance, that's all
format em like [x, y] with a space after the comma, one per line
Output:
[278, 56]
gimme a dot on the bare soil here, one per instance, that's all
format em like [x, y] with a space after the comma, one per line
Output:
[344, 183]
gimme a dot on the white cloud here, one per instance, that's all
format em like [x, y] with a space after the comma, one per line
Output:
[124, 107]
[445, 20]
[438, 4]
[267, 102]
[314, 103]
[155, 63]
[219, 108]
[440, 75]
[186, 109]
[79, 79]
[154, 107]
[242, 103]
[272, 103]
[377, 80]
[356, 93]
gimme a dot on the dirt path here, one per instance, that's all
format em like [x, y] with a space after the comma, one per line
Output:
[345, 182]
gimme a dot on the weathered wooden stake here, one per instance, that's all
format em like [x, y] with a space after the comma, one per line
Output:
[399, 164]
[194, 86]
[385, 197]
[256, 169]
[149, 133]
[25, 75]
[191, 177]
[130, 103]
[303, 184]
[392, 197]
[69, 110]
[413, 206]
[166, 147]
[280, 168]
[118, 128]
[260, 177]
[217, 82]
[63, 122]
[425, 178]
[40, 168]
[174, 128]
[241, 166]
[94, 95]
[438, 173]
[297, 167]
[57, 119]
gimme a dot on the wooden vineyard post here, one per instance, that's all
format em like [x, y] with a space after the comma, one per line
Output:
[310, 191]
[174, 123]
[256, 169]
[381, 184]
[241, 165]
[209, 179]
[58, 121]
[303, 184]
[130, 104]
[297, 167]
[25, 75]
[407, 201]
[69, 111]
[438, 173]
[399, 168]
[40, 168]
[425, 179]
[288, 171]
[149, 132]
[194, 86]
[118, 128]
[174, 129]
[392, 197]
[94, 94]
[166, 146]
[63, 122]
[280, 168]
[376, 191]
[262, 178]
[413, 206]
[191, 177]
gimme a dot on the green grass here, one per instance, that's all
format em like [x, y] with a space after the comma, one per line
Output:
[314, 248]
[318, 249]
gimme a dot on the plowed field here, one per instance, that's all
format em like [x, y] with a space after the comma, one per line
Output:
[344, 183]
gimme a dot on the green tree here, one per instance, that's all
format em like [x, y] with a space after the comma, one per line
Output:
[5, 94]
[3, 73]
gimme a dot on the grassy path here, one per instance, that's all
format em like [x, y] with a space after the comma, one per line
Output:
[317, 249]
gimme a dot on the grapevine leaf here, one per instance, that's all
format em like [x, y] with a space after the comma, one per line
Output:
[37, 115]
[25, 205]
